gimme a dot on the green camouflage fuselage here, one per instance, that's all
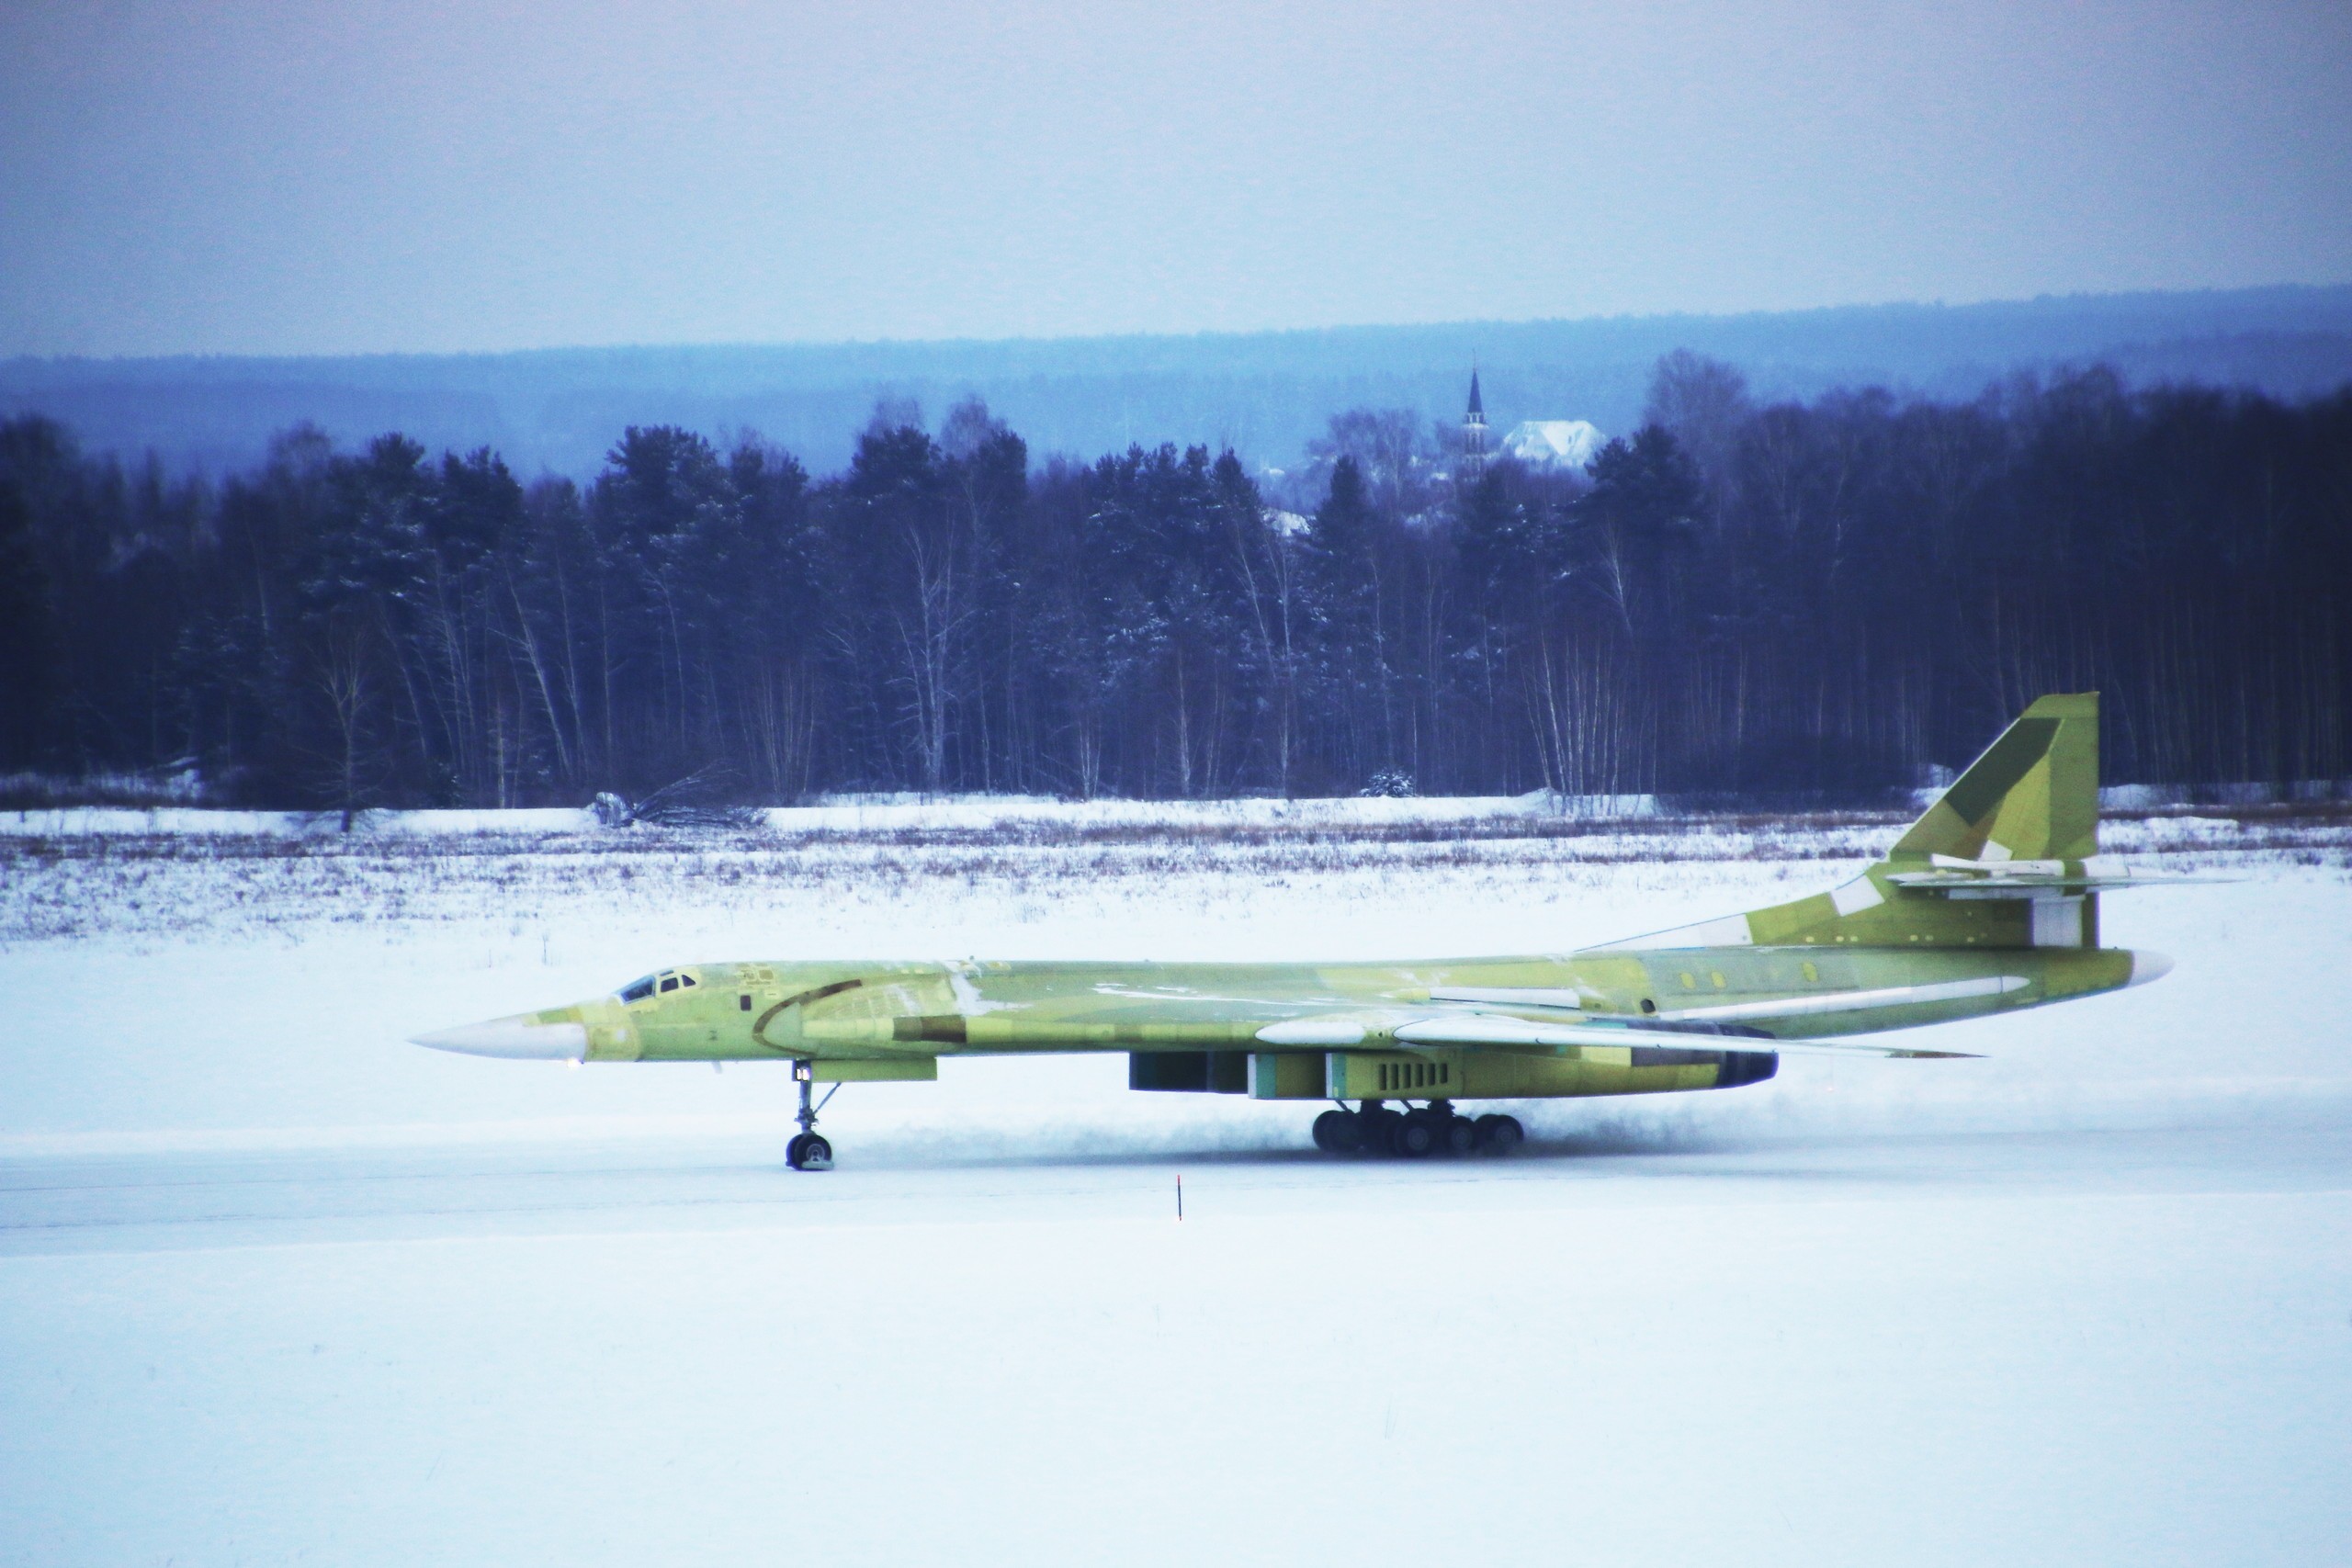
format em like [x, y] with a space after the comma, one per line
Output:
[864, 1021]
[1989, 903]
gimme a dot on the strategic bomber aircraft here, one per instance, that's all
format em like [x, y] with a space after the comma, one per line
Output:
[1989, 902]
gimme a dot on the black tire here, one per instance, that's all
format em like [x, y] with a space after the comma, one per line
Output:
[1412, 1137]
[1499, 1134]
[1336, 1133]
[808, 1152]
[1458, 1137]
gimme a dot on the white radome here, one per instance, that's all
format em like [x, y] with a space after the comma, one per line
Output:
[516, 1038]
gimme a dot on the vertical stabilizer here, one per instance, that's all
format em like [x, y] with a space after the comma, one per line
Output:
[2033, 795]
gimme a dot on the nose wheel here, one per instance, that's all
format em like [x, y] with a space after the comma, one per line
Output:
[809, 1150]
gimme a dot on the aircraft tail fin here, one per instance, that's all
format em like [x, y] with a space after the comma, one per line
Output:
[2014, 831]
[2033, 795]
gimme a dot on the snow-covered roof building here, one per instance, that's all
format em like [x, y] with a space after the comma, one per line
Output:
[1554, 443]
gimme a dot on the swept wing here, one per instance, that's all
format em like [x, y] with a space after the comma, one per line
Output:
[1485, 1030]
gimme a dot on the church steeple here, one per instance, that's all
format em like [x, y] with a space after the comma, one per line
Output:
[1473, 434]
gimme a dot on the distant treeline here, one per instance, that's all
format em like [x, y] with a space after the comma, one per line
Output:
[1796, 601]
[1265, 394]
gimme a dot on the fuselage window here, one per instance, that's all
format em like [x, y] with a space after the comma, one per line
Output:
[638, 990]
[670, 984]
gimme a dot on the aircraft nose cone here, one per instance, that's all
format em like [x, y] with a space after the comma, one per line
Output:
[2147, 966]
[517, 1038]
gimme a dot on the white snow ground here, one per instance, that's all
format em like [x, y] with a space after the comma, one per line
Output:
[277, 1287]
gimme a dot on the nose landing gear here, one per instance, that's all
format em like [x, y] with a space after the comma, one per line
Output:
[809, 1150]
[1434, 1129]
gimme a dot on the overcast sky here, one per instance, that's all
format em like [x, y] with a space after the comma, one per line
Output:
[298, 177]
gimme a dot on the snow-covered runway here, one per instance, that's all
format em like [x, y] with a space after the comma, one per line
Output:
[193, 1202]
[2040, 1346]
[275, 1288]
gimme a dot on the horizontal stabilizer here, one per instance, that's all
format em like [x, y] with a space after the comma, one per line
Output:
[1948, 873]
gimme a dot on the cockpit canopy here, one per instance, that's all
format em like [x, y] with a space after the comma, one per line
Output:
[666, 980]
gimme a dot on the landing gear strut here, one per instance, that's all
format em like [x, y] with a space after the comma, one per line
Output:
[809, 1150]
[1433, 1129]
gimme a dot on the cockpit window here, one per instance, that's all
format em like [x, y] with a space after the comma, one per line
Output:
[685, 979]
[671, 984]
[638, 990]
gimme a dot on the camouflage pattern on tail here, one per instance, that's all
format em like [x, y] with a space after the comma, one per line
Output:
[2001, 860]
[2033, 795]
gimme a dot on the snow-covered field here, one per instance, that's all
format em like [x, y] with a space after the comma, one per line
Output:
[278, 1286]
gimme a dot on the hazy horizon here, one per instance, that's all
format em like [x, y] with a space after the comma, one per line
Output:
[2318, 288]
[1265, 394]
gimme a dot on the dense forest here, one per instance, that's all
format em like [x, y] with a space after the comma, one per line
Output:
[1819, 600]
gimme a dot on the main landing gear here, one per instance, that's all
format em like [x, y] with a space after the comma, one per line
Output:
[1434, 1129]
[809, 1150]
